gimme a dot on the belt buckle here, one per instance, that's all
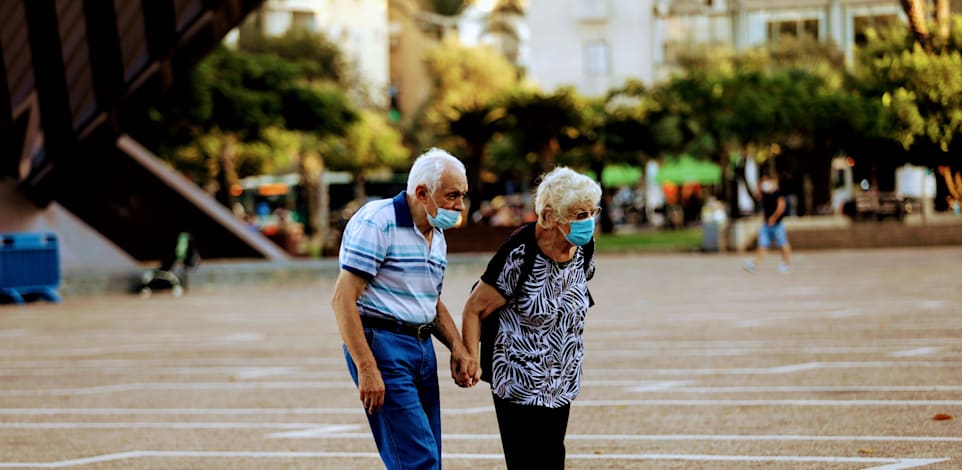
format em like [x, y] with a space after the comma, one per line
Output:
[424, 331]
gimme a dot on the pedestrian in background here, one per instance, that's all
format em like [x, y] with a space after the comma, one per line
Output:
[387, 301]
[774, 206]
[535, 291]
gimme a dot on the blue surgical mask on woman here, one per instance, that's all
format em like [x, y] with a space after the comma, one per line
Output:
[445, 219]
[581, 231]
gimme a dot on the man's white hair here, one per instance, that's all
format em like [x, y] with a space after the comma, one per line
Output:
[562, 188]
[429, 167]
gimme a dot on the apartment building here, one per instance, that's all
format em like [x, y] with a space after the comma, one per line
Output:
[595, 45]
[358, 27]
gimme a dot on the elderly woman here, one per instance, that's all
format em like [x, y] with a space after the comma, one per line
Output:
[534, 292]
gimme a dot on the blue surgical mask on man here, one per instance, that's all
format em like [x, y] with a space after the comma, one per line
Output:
[445, 219]
[581, 231]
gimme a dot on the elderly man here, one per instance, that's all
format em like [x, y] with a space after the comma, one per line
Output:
[387, 301]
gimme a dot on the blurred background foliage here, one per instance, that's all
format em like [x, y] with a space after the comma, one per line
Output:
[282, 104]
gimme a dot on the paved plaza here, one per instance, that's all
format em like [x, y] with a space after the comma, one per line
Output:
[692, 363]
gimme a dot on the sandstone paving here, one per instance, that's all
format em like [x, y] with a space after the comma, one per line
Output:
[690, 363]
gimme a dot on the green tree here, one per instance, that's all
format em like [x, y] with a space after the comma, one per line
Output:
[919, 95]
[370, 145]
[316, 56]
[222, 119]
[464, 106]
[538, 122]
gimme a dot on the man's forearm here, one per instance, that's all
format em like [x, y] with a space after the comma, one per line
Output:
[447, 331]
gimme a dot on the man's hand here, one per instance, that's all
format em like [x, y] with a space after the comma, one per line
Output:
[464, 369]
[371, 389]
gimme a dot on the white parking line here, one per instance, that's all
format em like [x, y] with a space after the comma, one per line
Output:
[853, 403]
[352, 431]
[774, 370]
[318, 432]
[677, 437]
[888, 463]
[791, 389]
[345, 384]
[238, 372]
[245, 362]
[915, 352]
[464, 411]
[172, 425]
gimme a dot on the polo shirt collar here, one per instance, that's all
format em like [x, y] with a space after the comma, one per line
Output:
[402, 212]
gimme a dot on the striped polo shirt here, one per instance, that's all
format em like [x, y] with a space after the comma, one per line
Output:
[382, 245]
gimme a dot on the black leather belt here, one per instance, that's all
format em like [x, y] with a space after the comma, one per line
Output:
[420, 331]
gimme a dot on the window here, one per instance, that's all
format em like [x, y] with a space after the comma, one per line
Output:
[303, 21]
[876, 22]
[591, 10]
[596, 58]
[792, 29]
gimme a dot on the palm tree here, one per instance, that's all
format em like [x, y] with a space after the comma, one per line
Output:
[502, 26]
[476, 126]
[441, 16]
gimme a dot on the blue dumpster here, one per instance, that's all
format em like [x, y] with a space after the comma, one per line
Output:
[29, 266]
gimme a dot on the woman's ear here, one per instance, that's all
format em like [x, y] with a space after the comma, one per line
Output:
[546, 219]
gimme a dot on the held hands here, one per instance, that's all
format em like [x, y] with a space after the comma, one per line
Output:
[465, 369]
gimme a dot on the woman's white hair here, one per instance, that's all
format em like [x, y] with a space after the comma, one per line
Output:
[562, 188]
[429, 167]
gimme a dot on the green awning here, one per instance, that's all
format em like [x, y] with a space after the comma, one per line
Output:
[686, 169]
[615, 176]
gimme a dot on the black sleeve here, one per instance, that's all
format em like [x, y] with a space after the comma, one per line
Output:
[505, 266]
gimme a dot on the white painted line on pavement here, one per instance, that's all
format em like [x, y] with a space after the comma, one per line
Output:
[852, 403]
[160, 425]
[323, 431]
[890, 463]
[682, 437]
[784, 369]
[244, 362]
[795, 389]
[458, 411]
[240, 338]
[238, 372]
[638, 385]
[655, 351]
[260, 372]
[179, 411]
[915, 352]
[350, 431]
[345, 384]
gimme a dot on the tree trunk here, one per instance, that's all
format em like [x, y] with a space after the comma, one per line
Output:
[598, 167]
[226, 173]
[475, 161]
[943, 15]
[915, 11]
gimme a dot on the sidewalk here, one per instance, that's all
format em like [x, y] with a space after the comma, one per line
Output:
[846, 363]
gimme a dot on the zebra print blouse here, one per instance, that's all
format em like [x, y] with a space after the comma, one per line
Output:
[539, 348]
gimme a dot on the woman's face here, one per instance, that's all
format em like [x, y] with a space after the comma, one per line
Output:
[579, 211]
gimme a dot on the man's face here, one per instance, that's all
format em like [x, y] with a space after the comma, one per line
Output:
[769, 185]
[449, 194]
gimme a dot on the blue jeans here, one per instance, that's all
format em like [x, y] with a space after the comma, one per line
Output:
[407, 429]
[768, 233]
